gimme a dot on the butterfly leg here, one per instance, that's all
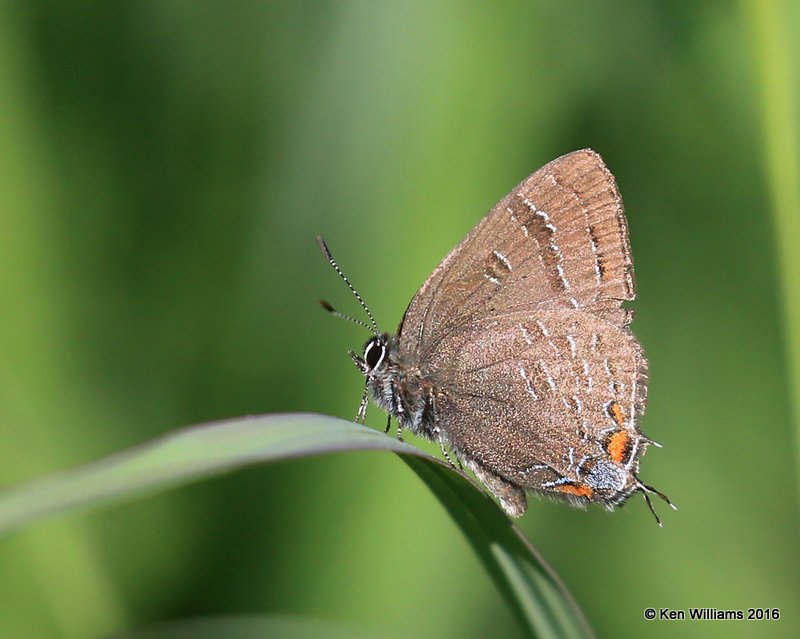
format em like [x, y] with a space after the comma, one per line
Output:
[388, 424]
[447, 457]
[398, 410]
[361, 415]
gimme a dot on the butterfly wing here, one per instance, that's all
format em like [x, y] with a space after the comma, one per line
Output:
[559, 239]
[538, 400]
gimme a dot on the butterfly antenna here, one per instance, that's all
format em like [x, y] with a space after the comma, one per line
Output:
[336, 313]
[327, 253]
[645, 489]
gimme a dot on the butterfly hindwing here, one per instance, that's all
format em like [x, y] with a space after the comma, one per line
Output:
[553, 388]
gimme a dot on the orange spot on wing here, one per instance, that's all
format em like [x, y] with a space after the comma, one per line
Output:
[615, 411]
[575, 489]
[617, 447]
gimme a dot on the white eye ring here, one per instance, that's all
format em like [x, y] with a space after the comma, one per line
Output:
[375, 344]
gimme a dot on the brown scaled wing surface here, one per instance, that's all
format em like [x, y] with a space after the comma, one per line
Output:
[524, 316]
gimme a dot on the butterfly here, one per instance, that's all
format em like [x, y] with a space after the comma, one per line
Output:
[516, 354]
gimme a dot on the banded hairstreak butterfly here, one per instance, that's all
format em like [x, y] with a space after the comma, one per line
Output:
[516, 355]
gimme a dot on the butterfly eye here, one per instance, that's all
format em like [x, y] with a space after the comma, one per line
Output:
[374, 352]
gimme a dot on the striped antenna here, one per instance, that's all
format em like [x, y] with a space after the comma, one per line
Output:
[327, 253]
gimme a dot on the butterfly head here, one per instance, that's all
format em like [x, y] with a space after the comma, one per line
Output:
[376, 351]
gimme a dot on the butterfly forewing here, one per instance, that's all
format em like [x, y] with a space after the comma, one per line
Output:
[559, 239]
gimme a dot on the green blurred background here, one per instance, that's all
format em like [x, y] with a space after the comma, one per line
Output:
[164, 169]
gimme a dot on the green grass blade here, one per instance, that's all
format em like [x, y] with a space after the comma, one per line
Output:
[772, 35]
[187, 455]
[536, 595]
